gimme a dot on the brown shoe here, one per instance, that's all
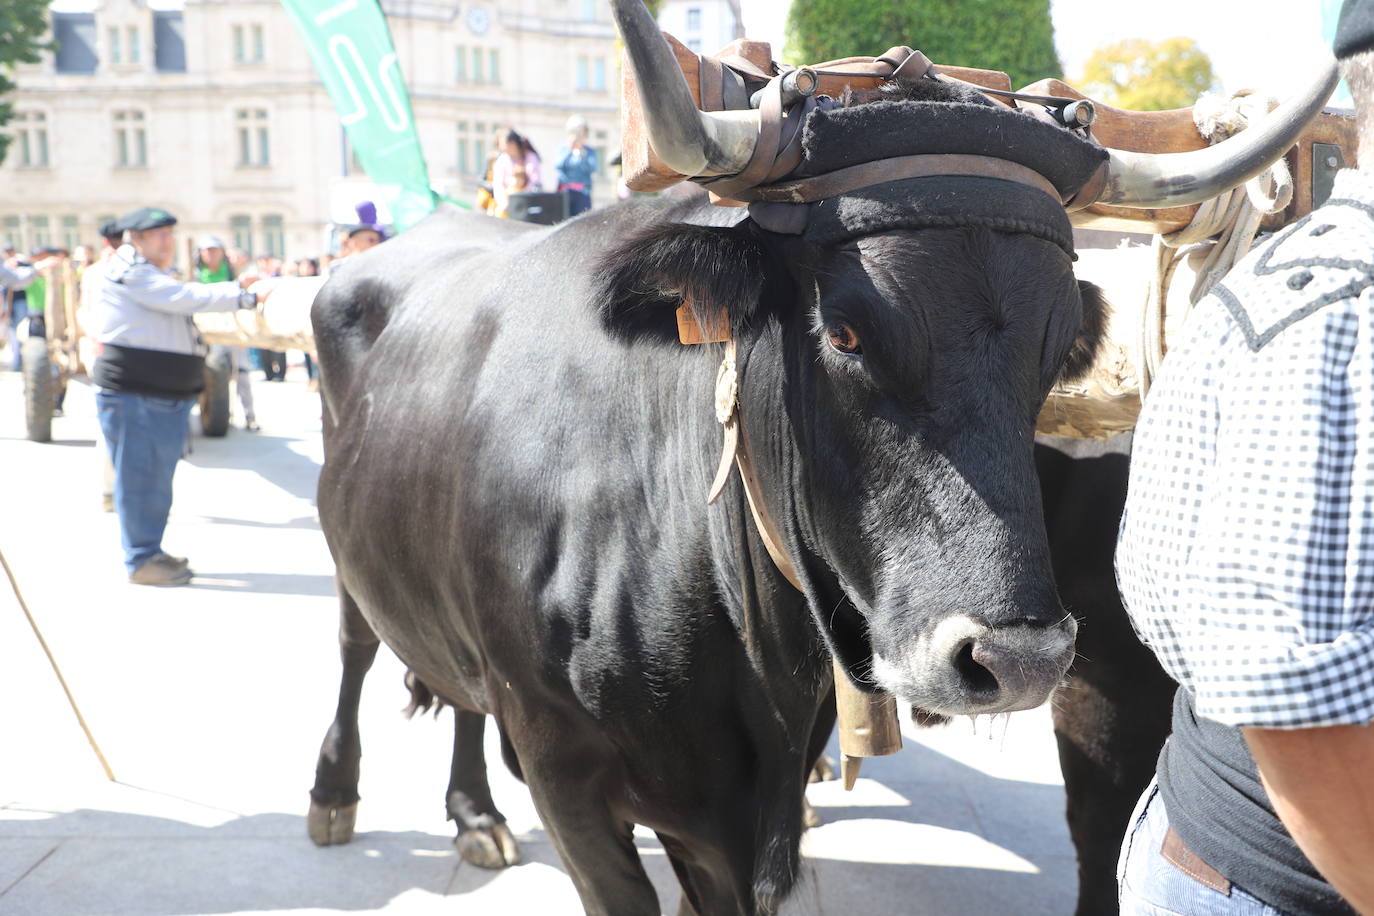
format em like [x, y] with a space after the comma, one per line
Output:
[161, 570]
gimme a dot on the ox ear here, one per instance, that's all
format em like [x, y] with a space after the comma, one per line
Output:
[1090, 333]
[640, 283]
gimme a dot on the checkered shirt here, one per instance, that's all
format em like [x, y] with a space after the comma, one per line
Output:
[1246, 554]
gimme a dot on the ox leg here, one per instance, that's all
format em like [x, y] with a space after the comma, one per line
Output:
[596, 845]
[334, 798]
[821, 768]
[483, 837]
[1113, 714]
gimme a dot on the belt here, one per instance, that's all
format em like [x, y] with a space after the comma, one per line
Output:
[1188, 862]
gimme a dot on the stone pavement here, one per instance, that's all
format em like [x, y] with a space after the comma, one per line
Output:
[210, 702]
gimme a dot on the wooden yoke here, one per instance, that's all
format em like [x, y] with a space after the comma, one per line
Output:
[1330, 137]
[643, 171]
[1173, 131]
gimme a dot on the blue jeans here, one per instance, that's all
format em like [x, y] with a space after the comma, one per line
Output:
[1150, 885]
[146, 436]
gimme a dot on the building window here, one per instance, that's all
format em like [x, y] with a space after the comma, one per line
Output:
[241, 228]
[169, 42]
[42, 233]
[250, 44]
[31, 136]
[477, 74]
[71, 233]
[464, 148]
[254, 146]
[273, 236]
[460, 64]
[694, 45]
[494, 66]
[588, 9]
[482, 151]
[75, 35]
[12, 232]
[131, 142]
[583, 78]
[112, 36]
[599, 74]
[135, 49]
[693, 19]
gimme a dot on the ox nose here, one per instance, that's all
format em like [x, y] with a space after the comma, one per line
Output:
[1012, 668]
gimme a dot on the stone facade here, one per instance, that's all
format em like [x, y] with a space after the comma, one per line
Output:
[705, 26]
[215, 113]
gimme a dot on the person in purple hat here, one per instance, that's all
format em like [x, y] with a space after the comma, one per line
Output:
[1246, 562]
[364, 234]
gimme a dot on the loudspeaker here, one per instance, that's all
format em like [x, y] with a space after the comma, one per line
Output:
[543, 207]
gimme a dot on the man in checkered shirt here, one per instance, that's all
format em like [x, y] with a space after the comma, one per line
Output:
[1246, 560]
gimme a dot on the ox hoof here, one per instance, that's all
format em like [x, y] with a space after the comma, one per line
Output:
[809, 816]
[823, 771]
[488, 847]
[331, 825]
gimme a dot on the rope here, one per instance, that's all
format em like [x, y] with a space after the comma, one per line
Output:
[81, 720]
[1222, 230]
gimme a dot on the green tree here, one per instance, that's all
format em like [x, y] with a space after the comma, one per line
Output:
[1015, 36]
[23, 25]
[1148, 75]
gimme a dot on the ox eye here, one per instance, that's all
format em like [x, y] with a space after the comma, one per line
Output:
[843, 339]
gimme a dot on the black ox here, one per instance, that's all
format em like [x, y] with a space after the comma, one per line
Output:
[518, 453]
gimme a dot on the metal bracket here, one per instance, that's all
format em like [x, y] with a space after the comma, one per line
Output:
[1327, 160]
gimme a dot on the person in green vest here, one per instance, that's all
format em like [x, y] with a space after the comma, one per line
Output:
[212, 266]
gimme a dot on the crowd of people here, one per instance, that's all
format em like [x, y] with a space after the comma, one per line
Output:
[514, 167]
[149, 365]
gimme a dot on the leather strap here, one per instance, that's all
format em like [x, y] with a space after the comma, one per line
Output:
[712, 84]
[1186, 861]
[736, 452]
[840, 181]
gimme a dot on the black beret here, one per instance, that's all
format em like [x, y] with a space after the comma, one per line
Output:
[145, 218]
[110, 229]
[1355, 29]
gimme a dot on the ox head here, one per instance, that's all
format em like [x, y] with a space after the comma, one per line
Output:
[896, 345]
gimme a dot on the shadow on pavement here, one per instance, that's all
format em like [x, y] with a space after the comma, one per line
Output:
[111, 863]
[269, 456]
[77, 443]
[305, 522]
[276, 583]
[1024, 818]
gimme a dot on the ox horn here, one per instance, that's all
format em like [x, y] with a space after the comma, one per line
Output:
[1143, 180]
[691, 142]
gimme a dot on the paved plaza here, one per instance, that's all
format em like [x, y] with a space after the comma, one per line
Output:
[210, 702]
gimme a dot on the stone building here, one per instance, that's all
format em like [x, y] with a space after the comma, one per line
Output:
[704, 26]
[212, 109]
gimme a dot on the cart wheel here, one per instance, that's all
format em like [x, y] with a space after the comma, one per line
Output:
[214, 400]
[38, 389]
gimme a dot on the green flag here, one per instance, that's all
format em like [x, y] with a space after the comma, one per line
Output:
[351, 46]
